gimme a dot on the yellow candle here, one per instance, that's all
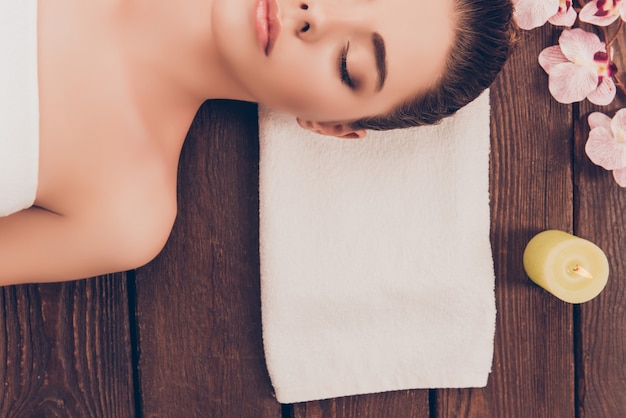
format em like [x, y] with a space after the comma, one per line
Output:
[571, 268]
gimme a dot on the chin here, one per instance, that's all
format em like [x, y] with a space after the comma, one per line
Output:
[233, 27]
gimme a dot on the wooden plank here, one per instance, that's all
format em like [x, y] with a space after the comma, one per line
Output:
[601, 218]
[198, 304]
[65, 350]
[531, 190]
[400, 404]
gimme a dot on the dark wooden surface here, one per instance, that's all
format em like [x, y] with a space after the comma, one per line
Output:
[181, 337]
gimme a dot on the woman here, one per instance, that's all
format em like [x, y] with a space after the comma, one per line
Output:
[121, 80]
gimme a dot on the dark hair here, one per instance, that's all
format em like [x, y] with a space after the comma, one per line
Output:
[483, 38]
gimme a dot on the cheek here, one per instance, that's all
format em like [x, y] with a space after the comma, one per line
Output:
[302, 76]
[302, 89]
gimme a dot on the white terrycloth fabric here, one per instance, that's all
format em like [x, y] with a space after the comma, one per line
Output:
[376, 264]
[19, 105]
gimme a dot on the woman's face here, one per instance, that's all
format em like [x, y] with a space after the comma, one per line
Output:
[333, 60]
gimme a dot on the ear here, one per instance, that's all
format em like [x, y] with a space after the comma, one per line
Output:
[340, 130]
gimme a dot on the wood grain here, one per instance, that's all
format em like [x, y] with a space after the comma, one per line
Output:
[601, 218]
[198, 304]
[531, 190]
[65, 350]
[400, 404]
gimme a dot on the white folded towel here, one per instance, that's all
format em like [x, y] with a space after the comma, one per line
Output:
[376, 265]
[19, 105]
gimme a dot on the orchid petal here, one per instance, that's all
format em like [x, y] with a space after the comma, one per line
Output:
[597, 119]
[588, 14]
[604, 93]
[571, 83]
[550, 56]
[580, 46]
[564, 18]
[618, 126]
[531, 14]
[620, 176]
[603, 149]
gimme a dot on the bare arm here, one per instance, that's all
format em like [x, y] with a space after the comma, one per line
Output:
[40, 246]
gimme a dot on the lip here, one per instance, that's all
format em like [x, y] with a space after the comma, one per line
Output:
[267, 24]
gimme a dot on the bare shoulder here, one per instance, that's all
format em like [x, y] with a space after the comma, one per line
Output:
[131, 213]
[117, 228]
[106, 198]
[138, 214]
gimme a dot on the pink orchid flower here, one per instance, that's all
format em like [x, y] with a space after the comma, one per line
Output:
[578, 68]
[603, 12]
[606, 145]
[566, 15]
[530, 14]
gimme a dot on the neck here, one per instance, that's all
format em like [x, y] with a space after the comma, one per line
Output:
[173, 43]
[172, 64]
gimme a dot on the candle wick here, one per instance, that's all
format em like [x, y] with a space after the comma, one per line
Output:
[582, 272]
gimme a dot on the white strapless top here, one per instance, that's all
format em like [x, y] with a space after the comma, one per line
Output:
[19, 105]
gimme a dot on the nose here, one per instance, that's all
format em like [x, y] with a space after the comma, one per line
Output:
[318, 18]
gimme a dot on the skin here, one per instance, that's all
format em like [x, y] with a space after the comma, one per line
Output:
[120, 82]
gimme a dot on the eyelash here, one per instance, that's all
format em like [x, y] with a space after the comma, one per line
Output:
[343, 68]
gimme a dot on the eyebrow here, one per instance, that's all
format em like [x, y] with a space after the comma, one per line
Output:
[381, 59]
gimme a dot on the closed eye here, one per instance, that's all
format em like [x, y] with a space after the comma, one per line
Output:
[343, 68]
